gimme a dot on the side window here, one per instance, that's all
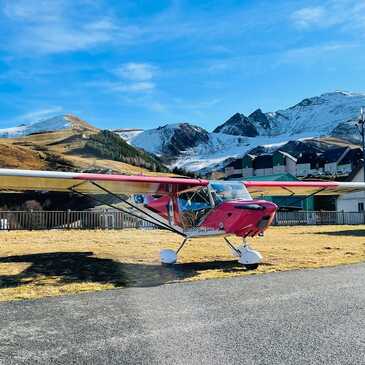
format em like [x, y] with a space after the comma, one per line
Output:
[194, 206]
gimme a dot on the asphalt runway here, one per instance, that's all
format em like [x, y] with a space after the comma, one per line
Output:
[297, 317]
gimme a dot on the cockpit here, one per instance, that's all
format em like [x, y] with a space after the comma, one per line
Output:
[192, 206]
[195, 204]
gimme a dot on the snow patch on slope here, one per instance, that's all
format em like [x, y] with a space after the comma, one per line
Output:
[221, 147]
[48, 125]
[320, 114]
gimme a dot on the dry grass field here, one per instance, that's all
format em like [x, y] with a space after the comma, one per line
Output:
[46, 263]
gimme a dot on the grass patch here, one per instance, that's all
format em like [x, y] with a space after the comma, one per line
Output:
[47, 263]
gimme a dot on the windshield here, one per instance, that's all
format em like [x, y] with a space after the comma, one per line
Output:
[228, 190]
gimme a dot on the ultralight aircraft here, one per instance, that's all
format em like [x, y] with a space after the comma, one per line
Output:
[188, 207]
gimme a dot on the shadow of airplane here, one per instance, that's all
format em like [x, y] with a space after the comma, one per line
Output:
[78, 267]
[347, 232]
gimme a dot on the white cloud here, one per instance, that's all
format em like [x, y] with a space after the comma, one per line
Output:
[122, 86]
[306, 17]
[313, 54]
[57, 26]
[61, 39]
[40, 114]
[130, 77]
[136, 71]
[345, 14]
[158, 107]
[143, 86]
[33, 10]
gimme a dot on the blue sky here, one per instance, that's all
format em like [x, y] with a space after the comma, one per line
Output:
[145, 63]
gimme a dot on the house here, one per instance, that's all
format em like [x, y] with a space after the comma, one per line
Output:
[283, 162]
[335, 161]
[349, 162]
[332, 158]
[353, 202]
[263, 165]
[233, 170]
[309, 163]
[247, 164]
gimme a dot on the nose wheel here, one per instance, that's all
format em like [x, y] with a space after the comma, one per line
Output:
[247, 256]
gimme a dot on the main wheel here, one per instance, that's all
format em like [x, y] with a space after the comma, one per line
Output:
[168, 257]
[251, 266]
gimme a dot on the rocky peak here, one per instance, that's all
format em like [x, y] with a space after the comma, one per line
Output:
[258, 118]
[238, 125]
[171, 139]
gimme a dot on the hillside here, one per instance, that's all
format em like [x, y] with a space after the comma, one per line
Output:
[68, 143]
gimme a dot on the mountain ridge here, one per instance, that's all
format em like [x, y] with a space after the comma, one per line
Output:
[330, 114]
[191, 147]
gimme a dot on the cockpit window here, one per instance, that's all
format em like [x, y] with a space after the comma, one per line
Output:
[228, 190]
[194, 206]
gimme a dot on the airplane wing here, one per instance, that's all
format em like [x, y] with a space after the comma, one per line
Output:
[13, 180]
[302, 188]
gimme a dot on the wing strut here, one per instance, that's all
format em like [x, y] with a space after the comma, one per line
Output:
[137, 208]
[152, 219]
[303, 198]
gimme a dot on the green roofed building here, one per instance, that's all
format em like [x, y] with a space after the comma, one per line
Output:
[285, 202]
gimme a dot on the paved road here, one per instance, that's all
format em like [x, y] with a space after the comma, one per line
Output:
[298, 317]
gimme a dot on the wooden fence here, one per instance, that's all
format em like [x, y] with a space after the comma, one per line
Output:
[111, 219]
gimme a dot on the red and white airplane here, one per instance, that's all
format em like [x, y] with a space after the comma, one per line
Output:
[188, 207]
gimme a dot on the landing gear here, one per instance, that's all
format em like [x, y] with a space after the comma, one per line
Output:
[168, 256]
[246, 255]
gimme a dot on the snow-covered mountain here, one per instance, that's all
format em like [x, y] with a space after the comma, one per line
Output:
[255, 124]
[171, 139]
[193, 148]
[48, 125]
[320, 114]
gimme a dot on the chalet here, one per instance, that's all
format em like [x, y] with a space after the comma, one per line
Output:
[332, 158]
[309, 163]
[350, 162]
[333, 162]
[263, 165]
[247, 164]
[233, 170]
[283, 162]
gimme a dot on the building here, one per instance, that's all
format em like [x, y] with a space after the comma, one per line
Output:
[283, 163]
[233, 170]
[333, 163]
[309, 164]
[263, 165]
[268, 164]
[332, 158]
[247, 165]
[353, 202]
[350, 162]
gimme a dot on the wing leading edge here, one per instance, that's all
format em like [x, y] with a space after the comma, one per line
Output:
[302, 188]
[31, 180]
